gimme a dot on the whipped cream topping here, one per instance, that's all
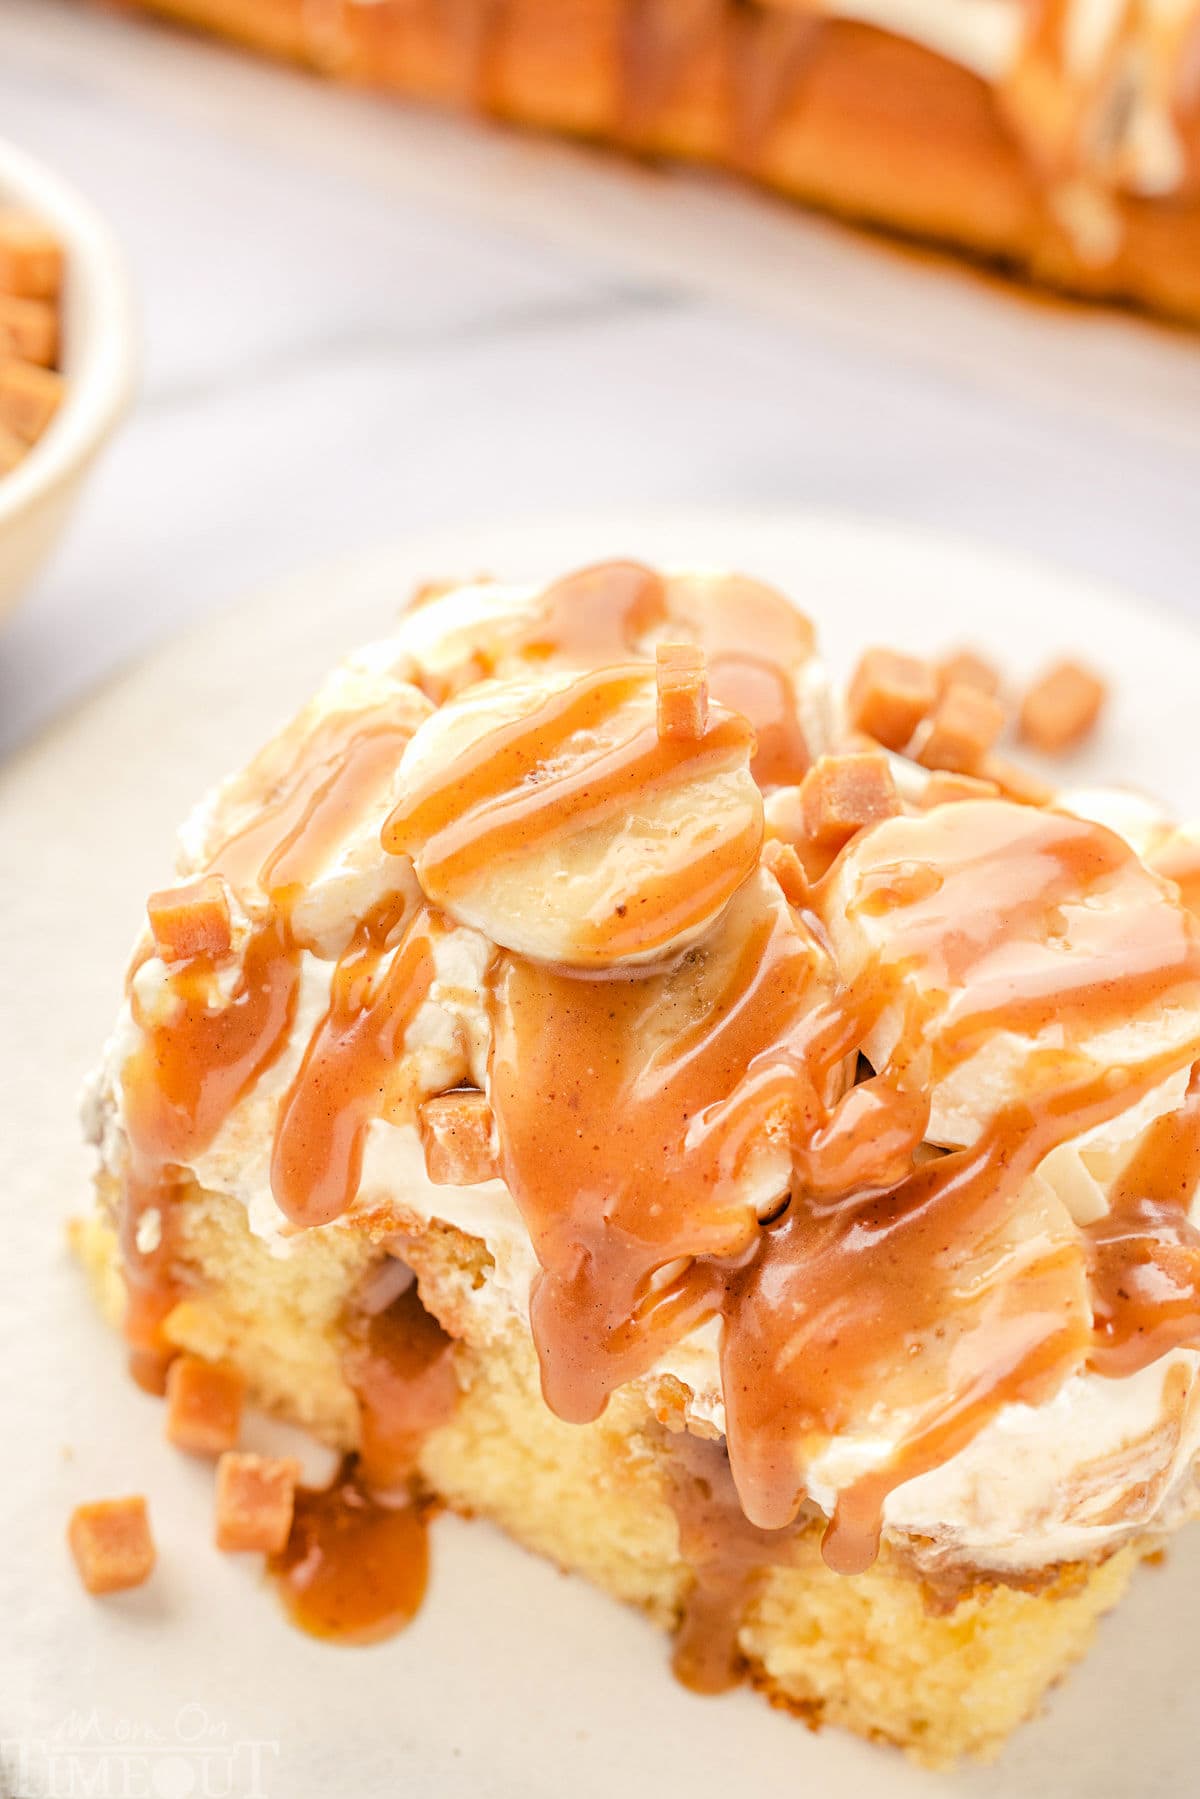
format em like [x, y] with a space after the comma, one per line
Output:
[1057, 1468]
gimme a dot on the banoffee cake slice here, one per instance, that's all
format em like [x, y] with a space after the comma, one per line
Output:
[586, 1077]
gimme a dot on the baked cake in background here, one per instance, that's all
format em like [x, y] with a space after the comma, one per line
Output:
[741, 1141]
[1059, 139]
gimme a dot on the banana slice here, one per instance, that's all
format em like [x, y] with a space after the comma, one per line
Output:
[1012, 946]
[550, 815]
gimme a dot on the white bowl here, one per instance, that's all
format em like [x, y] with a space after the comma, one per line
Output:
[98, 362]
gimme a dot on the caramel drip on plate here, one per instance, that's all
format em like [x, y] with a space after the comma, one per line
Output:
[1146, 1250]
[355, 1565]
[353, 1570]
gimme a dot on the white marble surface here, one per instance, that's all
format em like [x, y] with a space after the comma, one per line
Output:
[360, 321]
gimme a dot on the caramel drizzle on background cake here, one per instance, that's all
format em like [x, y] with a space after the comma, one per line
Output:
[638, 1110]
[734, 71]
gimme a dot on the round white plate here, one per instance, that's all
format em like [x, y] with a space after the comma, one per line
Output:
[514, 1681]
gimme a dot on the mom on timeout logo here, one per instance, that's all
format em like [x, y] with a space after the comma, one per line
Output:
[93, 1755]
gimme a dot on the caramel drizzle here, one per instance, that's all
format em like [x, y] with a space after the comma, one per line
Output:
[1145, 1268]
[190, 1069]
[627, 1160]
[516, 787]
[340, 769]
[754, 641]
[608, 1137]
[928, 1264]
[347, 1077]
[660, 45]
[202, 1053]
[597, 616]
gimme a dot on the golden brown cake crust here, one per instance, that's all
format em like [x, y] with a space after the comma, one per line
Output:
[839, 115]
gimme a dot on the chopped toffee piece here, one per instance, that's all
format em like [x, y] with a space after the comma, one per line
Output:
[843, 794]
[943, 786]
[1061, 708]
[255, 1498]
[682, 691]
[29, 398]
[966, 668]
[204, 1406]
[964, 725]
[111, 1542]
[1016, 782]
[28, 331]
[783, 862]
[31, 258]
[889, 695]
[191, 920]
[458, 1135]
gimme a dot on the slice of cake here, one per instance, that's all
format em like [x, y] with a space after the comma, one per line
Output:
[792, 1135]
